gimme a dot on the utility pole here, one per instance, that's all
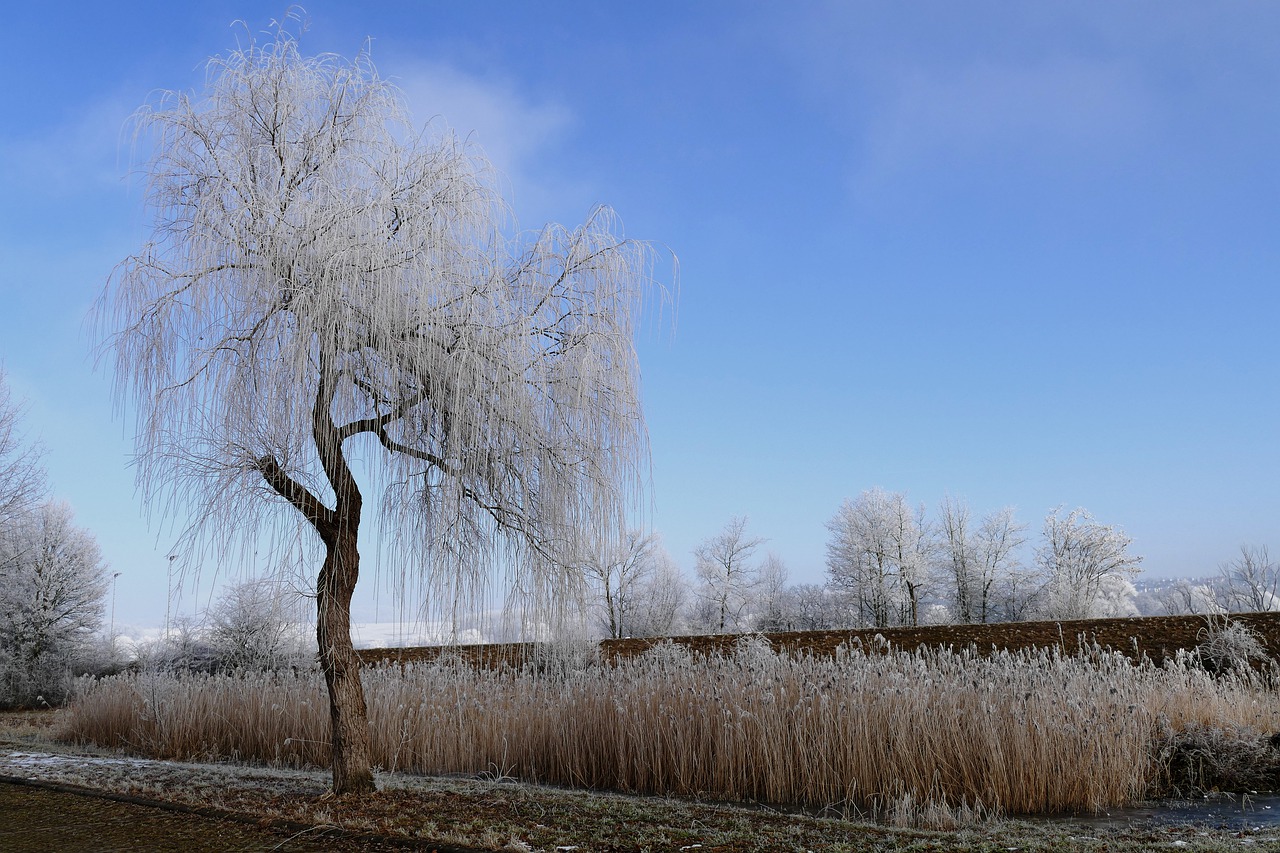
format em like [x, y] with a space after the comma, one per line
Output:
[113, 614]
[168, 599]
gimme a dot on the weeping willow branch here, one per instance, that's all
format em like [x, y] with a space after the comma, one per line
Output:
[321, 271]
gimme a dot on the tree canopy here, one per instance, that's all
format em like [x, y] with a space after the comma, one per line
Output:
[331, 302]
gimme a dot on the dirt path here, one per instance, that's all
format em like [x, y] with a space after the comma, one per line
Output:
[36, 819]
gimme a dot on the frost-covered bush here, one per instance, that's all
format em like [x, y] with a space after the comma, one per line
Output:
[257, 624]
[52, 587]
[1228, 645]
[1202, 757]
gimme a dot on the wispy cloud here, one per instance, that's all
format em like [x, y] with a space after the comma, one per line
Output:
[518, 135]
[944, 95]
[86, 153]
[1040, 116]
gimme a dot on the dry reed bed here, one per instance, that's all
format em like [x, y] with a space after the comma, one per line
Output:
[1024, 732]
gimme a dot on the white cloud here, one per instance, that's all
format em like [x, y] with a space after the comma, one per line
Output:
[519, 137]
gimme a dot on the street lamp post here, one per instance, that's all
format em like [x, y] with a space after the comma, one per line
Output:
[168, 600]
[113, 613]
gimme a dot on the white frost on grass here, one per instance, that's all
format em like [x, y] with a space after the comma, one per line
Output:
[120, 772]
[50, 761]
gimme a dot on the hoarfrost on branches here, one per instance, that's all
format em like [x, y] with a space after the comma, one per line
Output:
[637, 584]
[978, 563]
[880, 553]
[329, 293]
[254, 625]
[1087, 566]
[22, 478]
[1250, 582]
[726, 577]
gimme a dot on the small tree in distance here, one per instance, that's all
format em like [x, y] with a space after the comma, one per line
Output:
[1084, 562]
[254, 625]
[726, 575]
[980, 562]
[618, 573]
[660, 600]
[1250, 582]
[879, 553]
[772, 603]
[328, 297]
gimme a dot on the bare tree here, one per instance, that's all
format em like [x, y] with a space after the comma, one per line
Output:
[913, 548]
[978, 563]
[22, 478]
[859, 557]
[52, 588]
[1017, 594]
[815, 607]
[1188, 597]
[1250, 582]
[1078, 556]
[329, 293]
[659, 599]
[999, 539]
[957, 552]
[726, 576]
[618, 573]
[772, 599]
[256, 625]
[880, 552]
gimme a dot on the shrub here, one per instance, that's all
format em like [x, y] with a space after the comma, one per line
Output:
[1201, 758]
[1227, 645]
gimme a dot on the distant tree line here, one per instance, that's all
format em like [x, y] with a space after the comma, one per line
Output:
[890, 563]
[1248, 583]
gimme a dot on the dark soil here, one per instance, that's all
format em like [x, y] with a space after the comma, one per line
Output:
[1157, 637]
[46, 819]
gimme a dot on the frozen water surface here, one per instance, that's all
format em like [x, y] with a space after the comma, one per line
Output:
[1227, 811]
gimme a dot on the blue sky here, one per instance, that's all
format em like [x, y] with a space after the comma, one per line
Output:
[1023, 254]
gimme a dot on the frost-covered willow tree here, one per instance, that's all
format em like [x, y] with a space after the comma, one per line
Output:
[329, 293]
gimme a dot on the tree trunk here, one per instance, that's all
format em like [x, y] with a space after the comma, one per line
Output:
[348, 714]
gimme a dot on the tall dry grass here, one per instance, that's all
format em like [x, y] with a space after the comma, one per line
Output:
[1016, 732]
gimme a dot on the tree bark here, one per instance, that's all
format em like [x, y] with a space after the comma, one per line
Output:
[348, 714]
[338, 529]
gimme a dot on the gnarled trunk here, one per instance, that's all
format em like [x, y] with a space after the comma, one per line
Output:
[348, 714]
